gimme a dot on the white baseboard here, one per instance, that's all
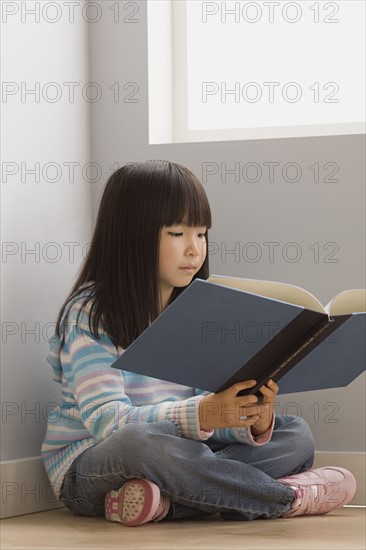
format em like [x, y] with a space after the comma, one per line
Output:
[25, 488]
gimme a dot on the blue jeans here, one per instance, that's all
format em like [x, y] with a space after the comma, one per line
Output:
[236, 480]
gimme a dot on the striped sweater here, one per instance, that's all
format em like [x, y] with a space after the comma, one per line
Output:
[97, 399]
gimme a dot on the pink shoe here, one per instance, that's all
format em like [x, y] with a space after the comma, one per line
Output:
[320, 491]
[136, 502]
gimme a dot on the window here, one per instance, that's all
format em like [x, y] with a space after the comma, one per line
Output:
[250, 70]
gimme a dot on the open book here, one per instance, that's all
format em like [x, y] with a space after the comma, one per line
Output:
[230, 329]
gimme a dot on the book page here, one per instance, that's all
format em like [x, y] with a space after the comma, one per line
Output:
[347, 301]
[271, 289]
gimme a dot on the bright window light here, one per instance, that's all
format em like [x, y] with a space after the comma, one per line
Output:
[266, 69]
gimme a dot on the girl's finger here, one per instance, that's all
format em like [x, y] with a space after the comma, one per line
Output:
[250, 411]
[247, 421]
[267, 392]
[236, 388]
[270, 388]
[273, 385]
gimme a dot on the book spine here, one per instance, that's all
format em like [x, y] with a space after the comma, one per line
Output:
[321, 333]
[303, 347]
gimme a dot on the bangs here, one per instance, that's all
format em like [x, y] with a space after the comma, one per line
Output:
[122, 264]
[185, 200]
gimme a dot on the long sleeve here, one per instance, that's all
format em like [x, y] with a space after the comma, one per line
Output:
[99, 389]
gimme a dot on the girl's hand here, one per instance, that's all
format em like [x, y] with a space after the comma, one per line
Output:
[226, 410]
[269, 392]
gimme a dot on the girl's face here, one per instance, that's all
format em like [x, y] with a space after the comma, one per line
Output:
[182, 252]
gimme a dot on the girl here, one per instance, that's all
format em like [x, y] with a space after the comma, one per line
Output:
[135, 449]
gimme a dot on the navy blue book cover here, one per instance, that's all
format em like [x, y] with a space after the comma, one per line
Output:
[212, 336]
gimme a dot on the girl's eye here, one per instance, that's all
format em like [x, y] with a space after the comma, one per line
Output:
[174, 234]
[201, 235]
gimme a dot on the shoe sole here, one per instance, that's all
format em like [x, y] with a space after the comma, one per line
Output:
[133, 504]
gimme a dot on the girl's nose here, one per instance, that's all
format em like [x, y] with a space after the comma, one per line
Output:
[195, 248]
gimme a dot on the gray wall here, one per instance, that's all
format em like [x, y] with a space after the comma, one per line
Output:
[51, 218]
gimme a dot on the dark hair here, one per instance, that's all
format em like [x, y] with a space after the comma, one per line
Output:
[121, 268]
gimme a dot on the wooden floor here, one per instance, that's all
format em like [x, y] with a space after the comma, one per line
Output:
[60, 529]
